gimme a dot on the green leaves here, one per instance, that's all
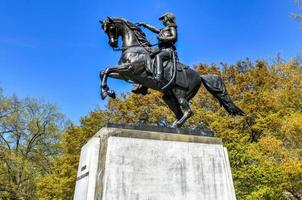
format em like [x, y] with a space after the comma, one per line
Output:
[29, 133]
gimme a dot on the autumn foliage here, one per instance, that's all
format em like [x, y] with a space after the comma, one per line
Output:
[264, 146]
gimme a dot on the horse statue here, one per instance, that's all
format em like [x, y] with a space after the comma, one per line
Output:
[181, 83]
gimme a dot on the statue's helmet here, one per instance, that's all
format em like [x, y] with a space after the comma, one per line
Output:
[170, 16]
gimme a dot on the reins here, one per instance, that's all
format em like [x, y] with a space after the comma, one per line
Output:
[136, 45]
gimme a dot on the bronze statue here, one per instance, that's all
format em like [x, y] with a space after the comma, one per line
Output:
[167, 37]
[178, 82]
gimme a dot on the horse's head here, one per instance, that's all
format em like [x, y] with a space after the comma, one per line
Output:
[113, 31]
[115, 27]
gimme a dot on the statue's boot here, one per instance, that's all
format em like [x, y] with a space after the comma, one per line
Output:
[159, 69]
[140, 89]
[158, 77]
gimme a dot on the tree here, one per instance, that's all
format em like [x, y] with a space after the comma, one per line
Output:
[60, 183]
[29, 135]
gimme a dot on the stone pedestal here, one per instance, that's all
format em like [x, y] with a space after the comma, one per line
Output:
[127, 164]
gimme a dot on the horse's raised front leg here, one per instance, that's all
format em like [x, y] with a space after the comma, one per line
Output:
[104, 87]
[104, 76]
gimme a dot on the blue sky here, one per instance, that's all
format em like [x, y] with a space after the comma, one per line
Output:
[54, 49]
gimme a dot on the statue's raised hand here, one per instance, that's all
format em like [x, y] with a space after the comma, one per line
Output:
[141, 24]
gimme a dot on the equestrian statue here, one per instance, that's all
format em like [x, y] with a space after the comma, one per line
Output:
[158, 68]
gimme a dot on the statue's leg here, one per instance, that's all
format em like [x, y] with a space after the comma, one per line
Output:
[159, 64]
[173, 104]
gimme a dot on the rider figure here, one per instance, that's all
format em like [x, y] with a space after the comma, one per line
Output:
[167, 37]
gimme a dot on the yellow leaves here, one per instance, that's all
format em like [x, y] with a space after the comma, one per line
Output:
[268, 123]
[293, 166]
[265, 192]
[72, 138]
[133, 108]
[273, 148]
[292, 129]
[289, 90]
[204, 69]
[293, 177]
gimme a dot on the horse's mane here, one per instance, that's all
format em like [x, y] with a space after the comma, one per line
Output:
[141, 36]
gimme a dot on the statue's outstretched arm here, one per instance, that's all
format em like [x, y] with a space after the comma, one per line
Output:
[148, 26]
[152, 28]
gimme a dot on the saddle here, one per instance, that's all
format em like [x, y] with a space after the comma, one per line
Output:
[181, 79]
[168, 69]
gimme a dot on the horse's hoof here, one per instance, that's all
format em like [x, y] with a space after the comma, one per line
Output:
[174, 125]
[103, 97]
[111, 94]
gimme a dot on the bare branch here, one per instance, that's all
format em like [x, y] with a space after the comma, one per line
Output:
[5, 141]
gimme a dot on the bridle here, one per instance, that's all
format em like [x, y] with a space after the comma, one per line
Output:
[135, 45]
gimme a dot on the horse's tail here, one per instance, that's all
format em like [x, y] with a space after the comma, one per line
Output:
[214, 84]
